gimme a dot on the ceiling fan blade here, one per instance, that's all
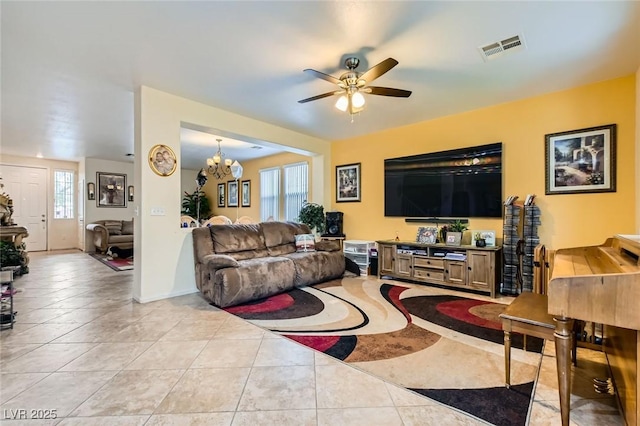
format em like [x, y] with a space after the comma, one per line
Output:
[324, 95]
[377, 70]
[323, 76]
[387, 91]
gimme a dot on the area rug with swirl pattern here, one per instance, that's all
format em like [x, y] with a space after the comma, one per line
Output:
[432, 341]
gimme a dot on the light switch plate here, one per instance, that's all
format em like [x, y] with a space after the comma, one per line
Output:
[157, 211]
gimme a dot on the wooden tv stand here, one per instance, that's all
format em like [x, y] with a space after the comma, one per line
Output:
[466, 267]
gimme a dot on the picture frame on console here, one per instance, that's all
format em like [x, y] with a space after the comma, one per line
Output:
[348, 183]
[581, 161]
[453, 238]
[427, 234]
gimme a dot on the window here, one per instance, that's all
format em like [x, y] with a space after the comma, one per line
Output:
[269, 194]
[296, 189]
[63, 194]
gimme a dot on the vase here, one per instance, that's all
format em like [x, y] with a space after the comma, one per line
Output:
[481, 243]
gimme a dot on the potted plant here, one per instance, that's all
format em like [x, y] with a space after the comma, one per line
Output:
[312, 215]
[191, 202]
[479, 239]
[454, 232]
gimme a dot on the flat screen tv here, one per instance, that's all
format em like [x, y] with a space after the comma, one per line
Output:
[459, 183]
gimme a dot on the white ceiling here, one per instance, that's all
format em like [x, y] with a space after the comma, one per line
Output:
[69, 69]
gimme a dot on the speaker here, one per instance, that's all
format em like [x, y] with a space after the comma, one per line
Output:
[333, 222]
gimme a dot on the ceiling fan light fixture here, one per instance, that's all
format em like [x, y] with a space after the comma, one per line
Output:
[358, 100]
[342, 103]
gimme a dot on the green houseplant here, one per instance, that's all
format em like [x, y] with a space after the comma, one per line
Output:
[190, 205]
[10, 255]
[312, 214]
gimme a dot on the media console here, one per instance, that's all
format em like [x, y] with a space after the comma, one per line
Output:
[467, 267]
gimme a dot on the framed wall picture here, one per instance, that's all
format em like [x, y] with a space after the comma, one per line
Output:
[232, 193]
[246, 193]
[581, 161]
[221, 193]
[162, 160]
[348, 183]
[453, 238]
[111, 189]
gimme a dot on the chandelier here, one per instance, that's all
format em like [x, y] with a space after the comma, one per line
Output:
[219, 169]
[216, 167]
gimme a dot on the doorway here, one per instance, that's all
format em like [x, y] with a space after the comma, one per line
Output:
[27, 187]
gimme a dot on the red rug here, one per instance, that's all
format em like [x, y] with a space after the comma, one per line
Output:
[445, 347]
[116, 264]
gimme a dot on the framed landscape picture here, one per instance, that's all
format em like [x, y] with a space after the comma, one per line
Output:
[581, 161]
[348, 183]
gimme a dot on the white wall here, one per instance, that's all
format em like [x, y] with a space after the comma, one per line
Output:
[61, 233]
[92, 211]
[164, 253]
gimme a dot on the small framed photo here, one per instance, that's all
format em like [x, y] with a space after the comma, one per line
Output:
[581, 161]
[111, 189]
[427, 234]
[453, 238]
[246, 193]
[221, 197]
[232, 193]
[162, 160]
[348, 183]
[488, 236]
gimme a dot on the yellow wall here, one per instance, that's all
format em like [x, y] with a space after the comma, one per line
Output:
[567, 220]
[251, 172]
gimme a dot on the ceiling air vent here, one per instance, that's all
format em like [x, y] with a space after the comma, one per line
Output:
[499, 48]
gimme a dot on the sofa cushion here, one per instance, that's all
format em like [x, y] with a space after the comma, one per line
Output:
[253, 279]
[316, 267]
[305, 242]
[115, 239]
[238, 241]
[279, 237]
[127, 227]
[113, 226]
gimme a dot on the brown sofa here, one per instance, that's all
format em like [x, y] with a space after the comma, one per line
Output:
[108, 233]
[239, 263]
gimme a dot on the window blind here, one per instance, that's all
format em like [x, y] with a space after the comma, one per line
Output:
[269, 194]
[296, 189]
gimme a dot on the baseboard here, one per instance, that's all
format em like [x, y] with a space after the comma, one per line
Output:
[165, 296]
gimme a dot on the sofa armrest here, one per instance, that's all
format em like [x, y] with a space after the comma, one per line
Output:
[327, 246]
[219, 261]
[100, 236]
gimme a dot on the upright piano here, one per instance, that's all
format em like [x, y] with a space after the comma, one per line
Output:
[600, 284]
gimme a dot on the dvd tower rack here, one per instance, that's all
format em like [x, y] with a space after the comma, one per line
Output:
[531, 240]
[511, 278]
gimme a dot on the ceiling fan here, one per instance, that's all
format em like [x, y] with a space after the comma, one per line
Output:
[353, 84]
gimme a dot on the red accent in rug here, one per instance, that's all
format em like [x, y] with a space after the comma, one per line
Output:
[319, 343]
[459, 309]
[394, 295]
[274, 303]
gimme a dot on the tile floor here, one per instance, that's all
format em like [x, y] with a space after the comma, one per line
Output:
[83, 351]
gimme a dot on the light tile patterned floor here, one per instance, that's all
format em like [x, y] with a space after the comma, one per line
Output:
[83, 348]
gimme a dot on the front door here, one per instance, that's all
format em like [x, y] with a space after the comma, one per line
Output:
[27, 187]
